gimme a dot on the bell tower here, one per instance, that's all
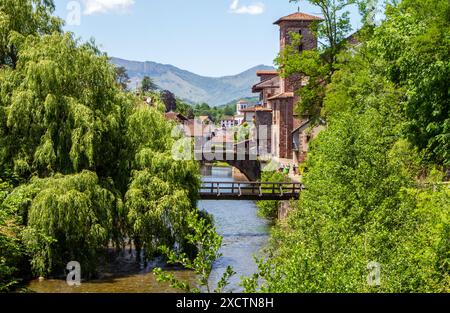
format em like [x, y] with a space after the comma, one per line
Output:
[299, 23]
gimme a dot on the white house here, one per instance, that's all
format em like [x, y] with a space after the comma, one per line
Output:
[228, 122]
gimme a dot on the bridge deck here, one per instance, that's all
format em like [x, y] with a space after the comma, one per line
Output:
[216, 190]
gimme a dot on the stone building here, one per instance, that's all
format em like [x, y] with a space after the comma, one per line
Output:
[239, 116]
[261, 118]
[177, 117]
[278, 94]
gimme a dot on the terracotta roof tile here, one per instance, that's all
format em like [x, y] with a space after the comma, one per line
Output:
[299, 16]
[266, 72]
[174, 116]
[283, 95]
[270, 83]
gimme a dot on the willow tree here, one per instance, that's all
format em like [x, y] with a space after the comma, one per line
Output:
[65, 111]
[10, 247]
[162, 191]
[68, 217]
[21, 18]
[87, 164]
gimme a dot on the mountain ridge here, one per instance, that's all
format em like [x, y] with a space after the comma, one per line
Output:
[190, 86]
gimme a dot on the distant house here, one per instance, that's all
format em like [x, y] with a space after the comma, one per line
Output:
[241, 105]
[205, 120]
[239, 117]
[196, 129]
[177, 117]
[268, 86]
[228, 122]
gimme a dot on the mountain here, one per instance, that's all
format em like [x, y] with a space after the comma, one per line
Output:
[192, 87]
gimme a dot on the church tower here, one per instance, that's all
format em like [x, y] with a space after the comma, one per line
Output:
[283, 103]
[299, 23]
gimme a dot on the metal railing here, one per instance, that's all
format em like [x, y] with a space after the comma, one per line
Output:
[250, 190]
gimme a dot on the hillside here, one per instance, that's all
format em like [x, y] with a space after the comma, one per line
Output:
[192, 87]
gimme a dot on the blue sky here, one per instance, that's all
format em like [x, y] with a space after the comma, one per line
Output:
[207, 37]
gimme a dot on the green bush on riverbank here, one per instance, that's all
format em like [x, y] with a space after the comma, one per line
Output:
[269, 208]
[374, 179]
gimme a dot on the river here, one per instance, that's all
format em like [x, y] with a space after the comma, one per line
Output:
[244, 235]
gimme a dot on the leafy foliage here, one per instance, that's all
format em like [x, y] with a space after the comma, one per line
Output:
[414, 46]
[355, 210]
[372, 193]
[10, 247]
[208, 242]
[269, 208]
[22, 18]
[147, 85]
[68, 218]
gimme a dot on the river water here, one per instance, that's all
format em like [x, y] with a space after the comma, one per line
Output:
[244, 235]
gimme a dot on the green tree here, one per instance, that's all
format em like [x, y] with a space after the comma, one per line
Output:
[122, 77]
[208, 242]
[148, 85]
[11, 252]
[414, 46]
[22, 18]
[368, 195]
[355, 210]
[269, 209]
[318, 65]
[229, 110]
[169, 100]
[334, 28]
[68, 218]
[162, 190]
[83, 155]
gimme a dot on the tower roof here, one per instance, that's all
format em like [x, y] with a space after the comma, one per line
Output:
[266, 72]
[298, 16]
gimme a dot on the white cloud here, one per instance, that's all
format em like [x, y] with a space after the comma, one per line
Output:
[253, 9]
[104, 6]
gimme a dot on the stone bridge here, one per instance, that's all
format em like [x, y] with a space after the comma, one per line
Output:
[243, 156]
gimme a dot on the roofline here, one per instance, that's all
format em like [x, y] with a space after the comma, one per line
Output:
[284, 95]
[256, 109]
[301, 126]
[268, 72]
[312, 19]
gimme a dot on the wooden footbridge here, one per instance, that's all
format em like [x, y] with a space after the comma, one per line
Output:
[216, 190]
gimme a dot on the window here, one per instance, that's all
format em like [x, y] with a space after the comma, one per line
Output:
[300, 47]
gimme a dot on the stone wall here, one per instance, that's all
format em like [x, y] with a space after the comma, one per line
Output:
[265, 119]
[286, 127]
[309, 40]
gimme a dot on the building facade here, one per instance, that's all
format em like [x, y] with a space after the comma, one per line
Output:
[228, 122]
[278, 94]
